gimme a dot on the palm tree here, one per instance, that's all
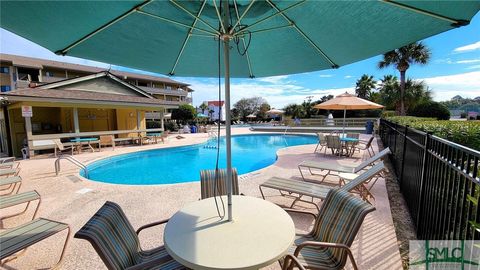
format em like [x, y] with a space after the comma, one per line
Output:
[402, 58]
[364, 86]
[416, 92]
[203, 107]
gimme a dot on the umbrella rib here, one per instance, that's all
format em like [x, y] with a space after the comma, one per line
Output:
[103, 27]
[189, 34]
[454, 22]
[193, 15]
[177, 23]
[270, 29]
[304, 35]
[279, 12]
[243, 40]
[239, 18]
[219, 17]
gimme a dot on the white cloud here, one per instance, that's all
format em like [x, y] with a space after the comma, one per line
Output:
[273, 79]
[464, 84]
[467, 48]
[325, 75]
[348, 76]
[277, 95]
[473, 67]
[469, 61]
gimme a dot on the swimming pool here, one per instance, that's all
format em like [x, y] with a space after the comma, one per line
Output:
[183, 164]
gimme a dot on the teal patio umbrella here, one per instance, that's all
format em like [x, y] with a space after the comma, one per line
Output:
[251, 38]
[201, 115]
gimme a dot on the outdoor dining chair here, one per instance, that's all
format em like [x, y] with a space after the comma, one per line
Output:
[366, 146]
[116, 242]
[334, 144]
[327, 246]
[322, 143]
[62, 148]
[208, 178]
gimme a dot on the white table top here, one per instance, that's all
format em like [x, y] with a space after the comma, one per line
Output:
[260, 234]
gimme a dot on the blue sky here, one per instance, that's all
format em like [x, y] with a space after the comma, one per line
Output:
[453, 70]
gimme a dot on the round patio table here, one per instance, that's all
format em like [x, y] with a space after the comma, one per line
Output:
[260, 234]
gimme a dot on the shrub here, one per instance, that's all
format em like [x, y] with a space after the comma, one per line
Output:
[170, 126]
[386, 114]
[461, 132]
[463, 115]
[430, 109]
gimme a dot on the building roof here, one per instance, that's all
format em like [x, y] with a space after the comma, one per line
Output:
[30, 62]
[92, 77]
[215, 103]
[76, 96]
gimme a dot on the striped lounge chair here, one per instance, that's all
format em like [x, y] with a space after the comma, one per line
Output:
[116, 242]
[327, 246]
[207, 182]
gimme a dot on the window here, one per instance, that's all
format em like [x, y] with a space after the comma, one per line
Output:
[4, 70]
[5, 88]
[49, 74]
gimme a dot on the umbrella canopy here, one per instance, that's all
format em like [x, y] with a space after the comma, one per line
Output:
[347, 101]
[201, 115]
[275, 111]
[267, 38]
[251, 116]
[167, 116]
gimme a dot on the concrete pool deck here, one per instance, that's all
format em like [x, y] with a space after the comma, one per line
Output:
[70, 199]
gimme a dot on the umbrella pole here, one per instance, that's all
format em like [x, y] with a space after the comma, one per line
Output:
[344, 116]
[228, 136]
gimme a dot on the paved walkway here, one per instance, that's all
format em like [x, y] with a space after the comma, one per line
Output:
[69, 199]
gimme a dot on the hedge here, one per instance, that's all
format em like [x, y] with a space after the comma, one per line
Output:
[466, 133]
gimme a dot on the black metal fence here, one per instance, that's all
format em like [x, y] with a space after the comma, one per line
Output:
[439, 180]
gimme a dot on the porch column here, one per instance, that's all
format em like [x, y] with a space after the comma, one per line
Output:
[139, 121]
[28, 130]
[162, 113]
[76, 125]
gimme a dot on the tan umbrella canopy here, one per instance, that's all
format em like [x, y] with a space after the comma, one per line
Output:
[275, 111]
[346, 102]
[251, 116]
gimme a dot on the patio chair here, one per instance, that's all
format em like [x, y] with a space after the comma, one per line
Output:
[117, 243]
[12, 184]
[9, 172]
[320, 191]
[18, 199]
[327, 246]
[290, 261]
[107, 140]
[208, 179]
[322, 142]
[353, 135]
[332, 166]
[62, 148]
[18, 239]
[9, 165]
[334, 144]
[7, 160]
[366, 146]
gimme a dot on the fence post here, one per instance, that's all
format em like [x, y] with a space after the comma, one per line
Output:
[422, 179]
[403, 153]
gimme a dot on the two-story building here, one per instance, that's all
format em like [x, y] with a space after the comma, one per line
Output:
[70, 100]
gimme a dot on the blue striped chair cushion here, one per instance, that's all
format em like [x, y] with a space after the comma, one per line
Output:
[338, 222]
[207, 182]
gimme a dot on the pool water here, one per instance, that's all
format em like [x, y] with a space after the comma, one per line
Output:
[183, 164]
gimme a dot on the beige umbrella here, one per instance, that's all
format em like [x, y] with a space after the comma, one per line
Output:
[251, 116]
[346, 102]
[275, 111]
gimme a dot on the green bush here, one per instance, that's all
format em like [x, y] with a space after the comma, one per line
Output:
[170, 126]
[386, 114]
[463, 115]
[430, 109]
[466, 133]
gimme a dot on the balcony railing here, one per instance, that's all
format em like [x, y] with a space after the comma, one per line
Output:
[162, 91]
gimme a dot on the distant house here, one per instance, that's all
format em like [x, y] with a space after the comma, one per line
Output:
[216, 110]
